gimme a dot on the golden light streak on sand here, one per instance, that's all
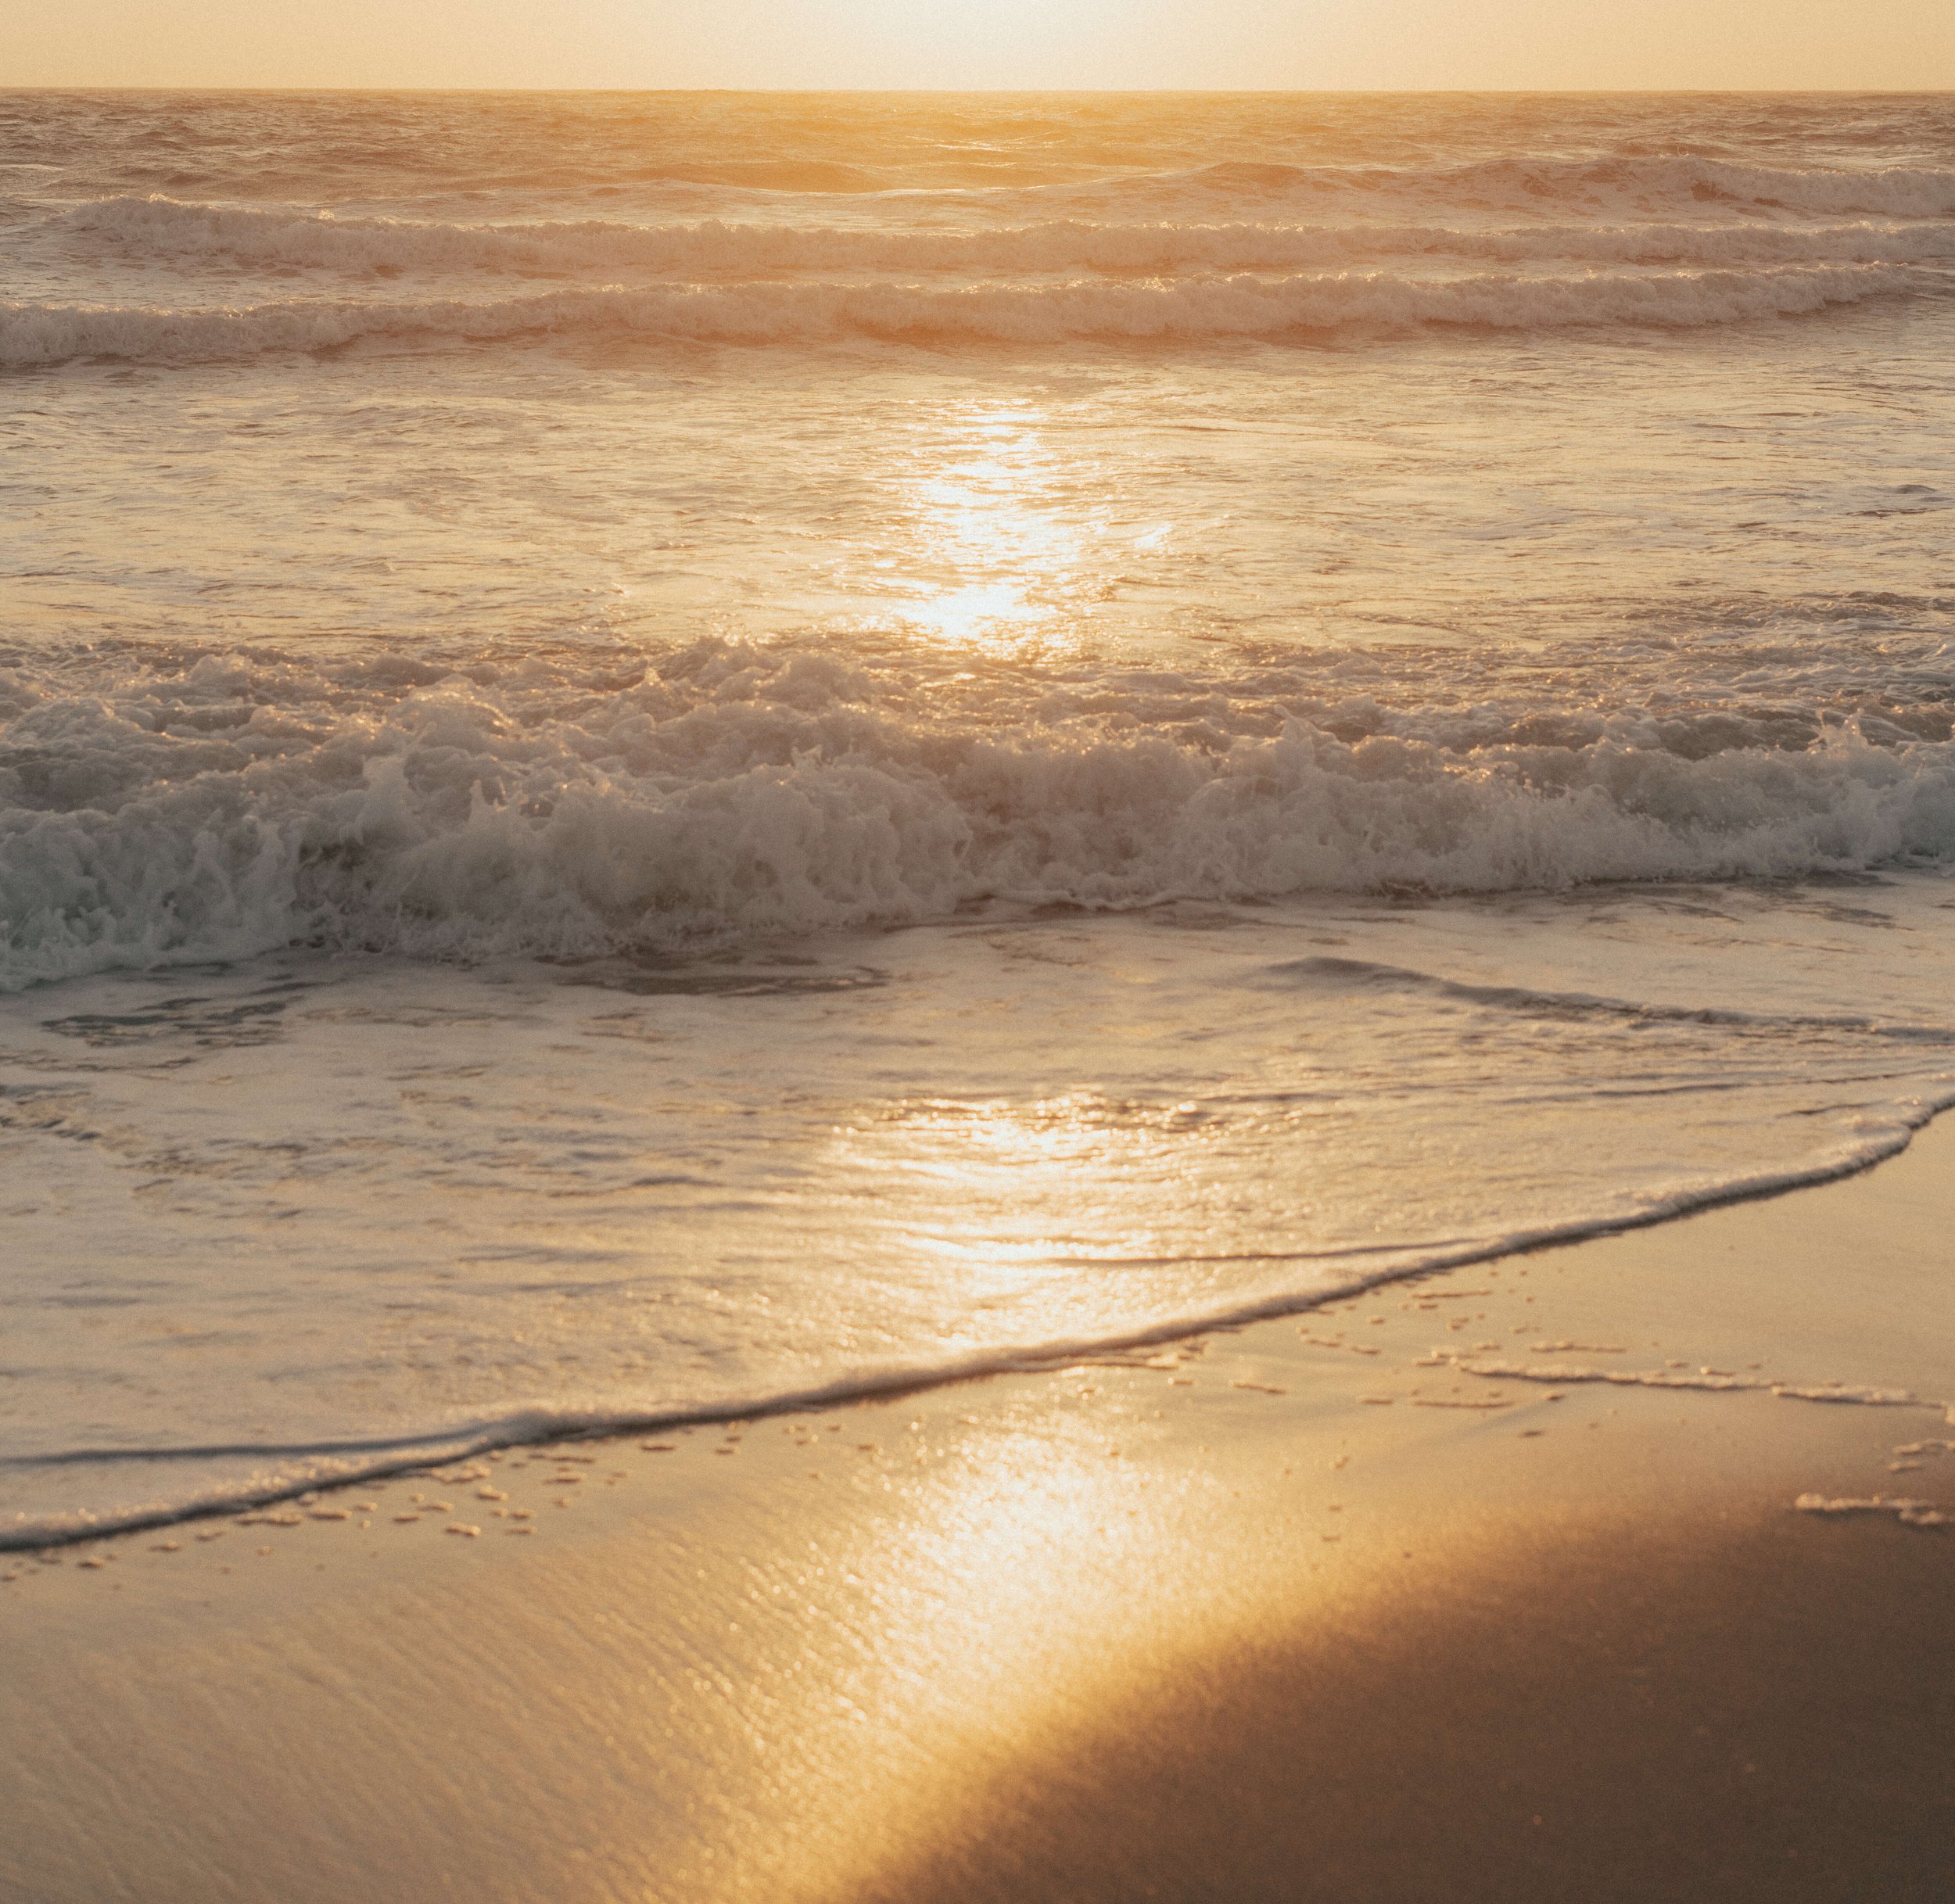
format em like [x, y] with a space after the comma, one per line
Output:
[1211, 1624]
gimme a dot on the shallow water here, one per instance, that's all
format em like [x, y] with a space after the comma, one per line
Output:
[658, 752]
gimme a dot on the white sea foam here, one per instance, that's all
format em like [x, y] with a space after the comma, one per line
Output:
[754, 794]
[1909, 1513]
[1710, 1381]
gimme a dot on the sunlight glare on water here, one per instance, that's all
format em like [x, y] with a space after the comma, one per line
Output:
[996, 559]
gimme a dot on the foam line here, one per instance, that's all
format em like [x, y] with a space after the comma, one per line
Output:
[525, 1426]
[1563, 1374]
[1909, 1513]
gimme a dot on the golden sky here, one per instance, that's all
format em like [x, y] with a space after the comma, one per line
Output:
[1874, 44]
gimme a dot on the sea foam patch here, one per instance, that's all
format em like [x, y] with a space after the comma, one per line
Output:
[235, 809]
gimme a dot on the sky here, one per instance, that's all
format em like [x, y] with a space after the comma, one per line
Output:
[1908, 44]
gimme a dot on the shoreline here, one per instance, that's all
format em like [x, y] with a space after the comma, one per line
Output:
[1056, 1634]
[546, 1429]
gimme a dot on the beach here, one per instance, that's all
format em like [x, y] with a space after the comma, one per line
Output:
[1272, 1617]
[975, 996]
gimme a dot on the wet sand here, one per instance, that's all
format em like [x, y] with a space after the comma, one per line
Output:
[1308, 1611]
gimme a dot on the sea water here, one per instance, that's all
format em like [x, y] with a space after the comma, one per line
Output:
[663, 753]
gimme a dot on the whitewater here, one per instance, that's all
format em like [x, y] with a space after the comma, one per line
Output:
[666, 755]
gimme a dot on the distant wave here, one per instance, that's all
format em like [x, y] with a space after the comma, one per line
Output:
[1616, 184]
[1639, 183]
[753, 792]
[38, 334]
[169, 228]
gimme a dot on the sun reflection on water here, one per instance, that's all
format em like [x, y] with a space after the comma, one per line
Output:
[1010, 1200]
[999, 547]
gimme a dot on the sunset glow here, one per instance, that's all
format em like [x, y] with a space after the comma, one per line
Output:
[976, 953]
[1151, 44]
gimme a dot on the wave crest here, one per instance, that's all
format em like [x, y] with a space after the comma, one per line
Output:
[168, 227]
[38, 335]
[1644, 183]
[781, 794]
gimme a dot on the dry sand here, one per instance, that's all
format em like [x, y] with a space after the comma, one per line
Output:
[1276, 1618]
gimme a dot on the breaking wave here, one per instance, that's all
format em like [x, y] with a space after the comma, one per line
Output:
[233, 810]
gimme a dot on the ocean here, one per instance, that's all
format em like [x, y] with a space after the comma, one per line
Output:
[668, 756]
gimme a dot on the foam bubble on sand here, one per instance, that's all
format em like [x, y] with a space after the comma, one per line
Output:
[1910, 1513]
[1708, 1380]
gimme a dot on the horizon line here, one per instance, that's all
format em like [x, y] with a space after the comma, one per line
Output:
[1550, 92]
